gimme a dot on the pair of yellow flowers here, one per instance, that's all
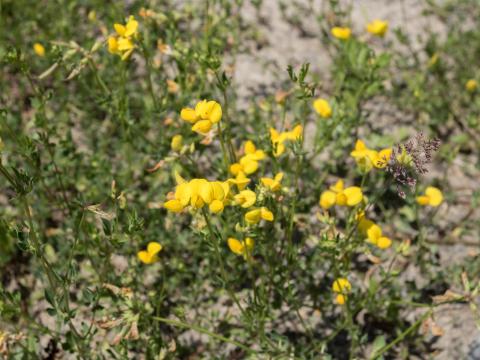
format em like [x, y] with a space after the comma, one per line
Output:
[376, 27]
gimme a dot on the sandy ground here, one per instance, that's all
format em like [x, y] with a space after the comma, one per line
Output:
[262, 70]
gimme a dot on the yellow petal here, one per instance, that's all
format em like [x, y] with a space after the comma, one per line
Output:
[327, 199]
[374, 233]
[176, 144]
[154, 248]
[201, 109]
[183, 193]
[377, 27]
[245, 198]
[384, 242]
[217, 188]
[144, 257]
[266, 214]
[435, 196]
[173, 206]
[338, 187]
[112, 45]
[341, 285]
[341, 299]
[322, 107]
[423, 200]
[124, 44]
[253, 216]
[235, 246]
[39, 49]
[202, 126]
[120, 29]
[215, 112]
[189, 115]
[216, 206]
[249, 166]
[354, 195]
[235, 169]
[342, 33]
[249, 147]
[131, 27]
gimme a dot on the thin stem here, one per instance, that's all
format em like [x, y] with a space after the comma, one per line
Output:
[199, 329]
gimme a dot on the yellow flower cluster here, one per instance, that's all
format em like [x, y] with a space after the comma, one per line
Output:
[342, 288]
[248, 163]
[279, 139]
[432, 197]
[243, 247]
[197, 193]
[123, 43]
[376, 27]
[150, 255]
[202, 118]
[367, 158]
[372, 232]
[338, 195]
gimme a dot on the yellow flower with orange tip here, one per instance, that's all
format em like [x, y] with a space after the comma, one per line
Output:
[471, 85]
[245, 198]
[342, 33]
[323, 108]
[203, 117]
[338, 195]
[39, 49]
[244, 247]
[150, 255]
[432, 197]
[341, 287]
[254, 216]
[377, 27]
[278, 139]
[274, 184]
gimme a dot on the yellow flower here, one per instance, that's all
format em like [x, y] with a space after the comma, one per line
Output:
[246, 198]
[342, 33]
[150, 255]
[278, 139]
[273, 184]
[373, 232]
[254, 216]
[198, 192]
[243, 248]
[341, 196]
[433, 197]
[367, 158]
[176, 144]
[122, 43]
[240, 180]
[471, 85]
[39, 49]
[341, 299]
[341, 286]
[205, 114]
[377, 27]
[248, 163]
[322, 107]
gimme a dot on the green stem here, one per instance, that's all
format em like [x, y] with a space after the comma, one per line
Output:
[199, 329]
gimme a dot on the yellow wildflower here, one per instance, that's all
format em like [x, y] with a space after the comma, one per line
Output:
[202, 118]
[367, 158]
[433, 197]
[471, 85]
[372, 232]
[243, 248]
[254, 216]
[377, 27]
[342, 287]
[273, 184]
[245, 198]
[248, 163]
[176, 144]
[278, 139]
[240, 180]
[339, 195]
[39, 49]
[122, 43]
[323, 108]
[342, 33]
[149, 256]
